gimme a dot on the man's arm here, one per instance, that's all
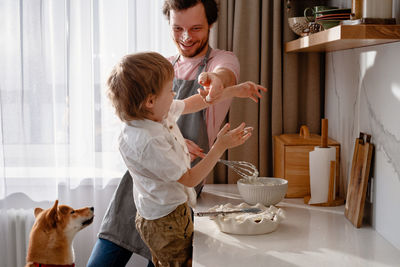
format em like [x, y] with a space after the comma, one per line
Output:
[248, 89]
[222, 76]
[215, 82]
[227, 76]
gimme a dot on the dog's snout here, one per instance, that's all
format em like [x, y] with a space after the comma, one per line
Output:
[91, 208]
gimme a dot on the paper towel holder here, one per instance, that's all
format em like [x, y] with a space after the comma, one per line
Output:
[333, 200]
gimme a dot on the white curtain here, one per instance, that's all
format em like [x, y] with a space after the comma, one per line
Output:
[57, 125]
[58, 131]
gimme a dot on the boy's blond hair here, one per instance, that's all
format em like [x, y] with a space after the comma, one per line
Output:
[134, 79]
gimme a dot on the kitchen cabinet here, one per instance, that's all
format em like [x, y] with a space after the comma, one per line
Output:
[345, 37]
[309, 236]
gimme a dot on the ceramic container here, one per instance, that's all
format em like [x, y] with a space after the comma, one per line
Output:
[327, 24]
[263, 222]
[266, 190]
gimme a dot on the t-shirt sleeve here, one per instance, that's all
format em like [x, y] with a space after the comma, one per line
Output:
[176, 109]
[161, 159]
[226, 60]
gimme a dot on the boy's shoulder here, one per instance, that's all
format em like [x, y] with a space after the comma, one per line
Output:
[138, 133]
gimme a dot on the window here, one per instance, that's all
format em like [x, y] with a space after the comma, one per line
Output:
[55, 120]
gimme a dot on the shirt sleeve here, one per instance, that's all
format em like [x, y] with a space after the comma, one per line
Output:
[226, 60]
[176, 109]
[160, 158]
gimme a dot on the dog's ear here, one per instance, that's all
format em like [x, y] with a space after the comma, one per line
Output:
[37, 211]
[52, 216]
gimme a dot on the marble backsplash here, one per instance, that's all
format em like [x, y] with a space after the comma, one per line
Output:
[363, 95]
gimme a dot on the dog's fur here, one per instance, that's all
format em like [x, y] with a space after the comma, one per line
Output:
[50, 240]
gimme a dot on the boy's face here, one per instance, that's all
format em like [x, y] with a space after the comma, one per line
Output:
[162, 102]
[190, 30]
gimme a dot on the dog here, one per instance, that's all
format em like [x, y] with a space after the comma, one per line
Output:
[50, 240]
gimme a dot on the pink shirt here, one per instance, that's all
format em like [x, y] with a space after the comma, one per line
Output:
[186, 69]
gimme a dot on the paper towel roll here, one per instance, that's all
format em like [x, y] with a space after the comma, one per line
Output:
[320, 160]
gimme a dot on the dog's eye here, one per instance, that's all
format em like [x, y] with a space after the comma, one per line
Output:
[72, 212]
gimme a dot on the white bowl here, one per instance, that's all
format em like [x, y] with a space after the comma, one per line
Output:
[266, 221]
[265, 190]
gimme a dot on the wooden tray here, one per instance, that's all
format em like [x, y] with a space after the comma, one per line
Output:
[356, 192]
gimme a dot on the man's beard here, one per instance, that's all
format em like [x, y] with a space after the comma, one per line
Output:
[197, 51]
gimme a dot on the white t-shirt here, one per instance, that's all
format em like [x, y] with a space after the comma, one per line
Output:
[157, 156]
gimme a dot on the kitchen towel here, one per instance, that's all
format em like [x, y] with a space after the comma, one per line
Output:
[320, 160]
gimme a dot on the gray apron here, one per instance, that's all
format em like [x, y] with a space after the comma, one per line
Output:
[118, 225]
[193, 126]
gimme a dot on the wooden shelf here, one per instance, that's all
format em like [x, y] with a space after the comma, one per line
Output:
[345, 37]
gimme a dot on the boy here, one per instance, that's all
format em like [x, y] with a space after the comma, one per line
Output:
[154, 150]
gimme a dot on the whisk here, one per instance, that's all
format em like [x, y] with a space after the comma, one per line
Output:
[243, 168]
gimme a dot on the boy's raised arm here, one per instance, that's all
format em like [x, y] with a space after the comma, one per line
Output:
[226, 139]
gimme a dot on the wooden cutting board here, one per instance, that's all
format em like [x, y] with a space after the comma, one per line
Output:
[356, 192]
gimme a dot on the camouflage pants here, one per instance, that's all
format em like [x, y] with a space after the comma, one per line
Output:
[169, 238]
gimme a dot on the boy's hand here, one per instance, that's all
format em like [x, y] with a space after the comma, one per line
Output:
[248, 90]
[194, 150]
[232, 138]
[212, 86]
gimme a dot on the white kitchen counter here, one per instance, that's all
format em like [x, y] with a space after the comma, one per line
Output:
[309, 236]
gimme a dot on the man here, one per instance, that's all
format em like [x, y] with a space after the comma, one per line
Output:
[198, 64]
[190, 22]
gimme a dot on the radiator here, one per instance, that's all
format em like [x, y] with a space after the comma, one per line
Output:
[15, 226]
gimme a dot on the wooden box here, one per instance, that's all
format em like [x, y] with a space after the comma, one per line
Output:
[291, 160]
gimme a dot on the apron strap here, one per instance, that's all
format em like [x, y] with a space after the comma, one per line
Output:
[203, 63]
[175, 60]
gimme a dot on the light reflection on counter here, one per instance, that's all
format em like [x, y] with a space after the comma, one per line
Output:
[309, 236]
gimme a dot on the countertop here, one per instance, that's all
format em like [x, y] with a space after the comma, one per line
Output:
[309, 236]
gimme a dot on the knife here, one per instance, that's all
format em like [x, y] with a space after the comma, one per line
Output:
[215, 213]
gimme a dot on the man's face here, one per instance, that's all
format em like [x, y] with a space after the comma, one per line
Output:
[190, 30]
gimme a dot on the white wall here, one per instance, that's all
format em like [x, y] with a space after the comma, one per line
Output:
[363, 94]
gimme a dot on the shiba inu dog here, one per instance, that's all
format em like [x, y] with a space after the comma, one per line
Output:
[50, 240]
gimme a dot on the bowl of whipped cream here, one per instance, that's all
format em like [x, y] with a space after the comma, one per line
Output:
[265, 190]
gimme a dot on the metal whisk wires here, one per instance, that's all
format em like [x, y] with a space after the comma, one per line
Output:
[243, 168]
